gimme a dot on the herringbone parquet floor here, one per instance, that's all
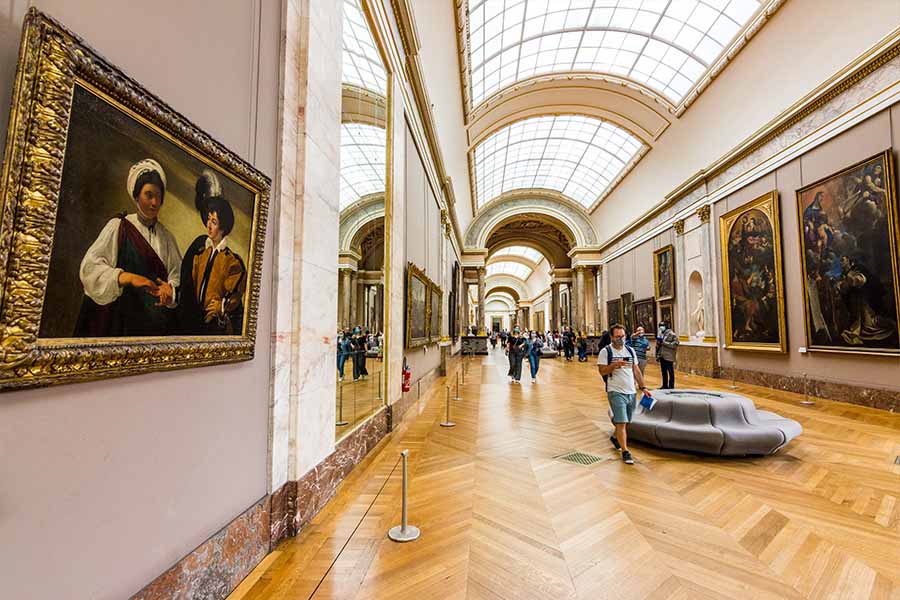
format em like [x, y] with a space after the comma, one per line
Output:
[501, 519]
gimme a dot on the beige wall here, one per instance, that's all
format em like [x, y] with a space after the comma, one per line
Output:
[866, 139]
[107, 484]
[819, 37]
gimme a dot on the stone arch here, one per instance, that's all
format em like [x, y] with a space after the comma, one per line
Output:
[571, 216]
[356, 216]
[501, 289]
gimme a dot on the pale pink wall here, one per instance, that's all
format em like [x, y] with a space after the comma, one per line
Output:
[866, 139]
[107, 484]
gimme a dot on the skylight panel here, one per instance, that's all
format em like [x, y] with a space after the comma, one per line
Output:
[509, 268]
[512, 40]
[574, 155]
[520, 251]
[363, 161]
[361, 59]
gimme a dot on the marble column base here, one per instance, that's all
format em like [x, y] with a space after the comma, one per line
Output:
[407, 400]
[475, 344]
[698, 360]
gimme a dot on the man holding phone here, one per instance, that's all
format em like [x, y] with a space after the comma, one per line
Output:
[618, 365]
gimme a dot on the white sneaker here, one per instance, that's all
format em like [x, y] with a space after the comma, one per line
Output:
[533, 380]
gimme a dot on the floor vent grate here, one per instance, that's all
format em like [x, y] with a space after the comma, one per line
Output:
[580, 458]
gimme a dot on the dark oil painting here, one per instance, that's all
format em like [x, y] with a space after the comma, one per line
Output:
[849, 254]
[149, 239]
[667, 314]
[664, 272]
[645, 316]
[613, 312]
[754, 301]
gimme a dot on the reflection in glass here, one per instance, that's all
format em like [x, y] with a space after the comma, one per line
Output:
[360, 301]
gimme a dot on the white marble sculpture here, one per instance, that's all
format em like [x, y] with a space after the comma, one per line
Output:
[699, 317]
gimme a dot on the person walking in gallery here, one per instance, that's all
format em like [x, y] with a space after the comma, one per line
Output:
[344, 351]
[605, 339]
[617, 364]
[521, 351]
[356, 341]
[667, 353]
[582, 347]
[638, 342]
[132, 271]
[534, 355]
[364, 354]
[493, 338]
[569, 343]
[510, 350]
[660, 331]
[218, 277]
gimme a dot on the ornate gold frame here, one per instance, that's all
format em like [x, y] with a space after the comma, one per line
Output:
[435, 336]
[656, 253]
[51, 61]
[768, 205]
[893, 232]
[669, 306]
[414, 272]
[651, 302]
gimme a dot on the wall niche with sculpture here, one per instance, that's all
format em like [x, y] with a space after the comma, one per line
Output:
[362, 295]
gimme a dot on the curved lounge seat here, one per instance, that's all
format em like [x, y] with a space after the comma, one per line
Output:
[719, 423]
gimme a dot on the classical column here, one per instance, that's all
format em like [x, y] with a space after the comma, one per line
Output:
[481, 274]
[464, 308]
[681, 295]
[354, 300]
[580, 300]
[345, 297]
[379, 307]
[598, 326]
[554, 305]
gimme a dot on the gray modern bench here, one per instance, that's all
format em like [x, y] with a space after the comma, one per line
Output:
[719, 423]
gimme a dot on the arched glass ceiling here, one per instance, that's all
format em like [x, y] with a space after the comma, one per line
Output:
[363, 161]
[665, 44]
[503, 295]
[521, 251]
[361, 58]
[509, 268]
[578, 156]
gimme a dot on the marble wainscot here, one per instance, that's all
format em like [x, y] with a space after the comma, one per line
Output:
[319, 485]
[474, 344]
[880, 398]
[407, 400]
[219, 564]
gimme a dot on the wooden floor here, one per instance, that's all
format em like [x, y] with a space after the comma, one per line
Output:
[500, 518]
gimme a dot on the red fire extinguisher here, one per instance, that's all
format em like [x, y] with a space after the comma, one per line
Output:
[407, 377]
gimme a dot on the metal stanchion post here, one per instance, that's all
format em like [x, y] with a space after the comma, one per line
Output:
[379, 387]
[457, 397]
[341, 422]
[806, 401]
[404, 532]
[418, 389]
[733, 379]
[447, 422]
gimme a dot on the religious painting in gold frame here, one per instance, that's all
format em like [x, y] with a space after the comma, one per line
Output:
[418, 298]
[750, 242]
[664, 273]
[81, 134]
[435, 313]
[848, 235]
[645, 316]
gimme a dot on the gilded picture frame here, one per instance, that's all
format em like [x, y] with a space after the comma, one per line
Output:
[435, 312]
[418, 300]
[614, 312]
[667, 314]
[55, 67]
[753, 285]
[664, 273]
[848, 231]
[628, 312]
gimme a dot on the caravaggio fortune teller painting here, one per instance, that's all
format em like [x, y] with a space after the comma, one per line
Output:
[131, 241]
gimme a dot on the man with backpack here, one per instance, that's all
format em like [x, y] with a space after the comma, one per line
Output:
[618, 365]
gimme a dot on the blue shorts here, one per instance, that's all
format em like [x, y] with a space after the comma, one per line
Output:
[622, 406]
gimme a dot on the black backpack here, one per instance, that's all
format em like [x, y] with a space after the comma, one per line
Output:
[609, 357]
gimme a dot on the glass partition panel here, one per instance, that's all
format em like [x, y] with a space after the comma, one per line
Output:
[361, 274]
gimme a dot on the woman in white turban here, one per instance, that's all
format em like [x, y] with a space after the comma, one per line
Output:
[132, 270]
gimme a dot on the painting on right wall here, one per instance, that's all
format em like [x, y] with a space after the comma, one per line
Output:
[848, 232]
[750, 237]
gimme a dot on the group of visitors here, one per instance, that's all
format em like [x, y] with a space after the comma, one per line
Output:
[356, 345]
[622, 361]
[519, 346]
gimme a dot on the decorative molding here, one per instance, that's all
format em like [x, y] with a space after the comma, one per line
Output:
[678, 226]
[789, 135]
